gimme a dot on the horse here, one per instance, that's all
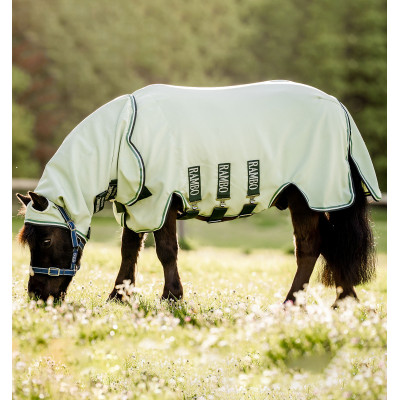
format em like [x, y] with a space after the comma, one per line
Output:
[331, 221]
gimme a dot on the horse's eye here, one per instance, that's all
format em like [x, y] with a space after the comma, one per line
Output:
[46, 243]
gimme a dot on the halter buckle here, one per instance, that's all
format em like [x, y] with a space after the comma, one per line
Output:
[71, 225]
[57, 270]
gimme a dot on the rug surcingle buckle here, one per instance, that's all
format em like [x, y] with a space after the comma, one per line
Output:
[252, 199]
[222, 202]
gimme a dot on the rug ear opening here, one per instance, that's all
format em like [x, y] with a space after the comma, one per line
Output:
[39, 202]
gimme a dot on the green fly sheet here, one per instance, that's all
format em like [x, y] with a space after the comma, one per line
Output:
[225, 151]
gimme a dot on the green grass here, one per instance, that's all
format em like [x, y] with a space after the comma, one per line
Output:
[228, 339]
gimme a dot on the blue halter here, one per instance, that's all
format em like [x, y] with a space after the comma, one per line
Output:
[77, 243]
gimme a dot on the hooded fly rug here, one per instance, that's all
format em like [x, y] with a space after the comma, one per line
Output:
[226, 152]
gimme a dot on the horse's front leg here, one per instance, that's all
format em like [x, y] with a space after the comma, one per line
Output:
[167, 252]
[130, 248]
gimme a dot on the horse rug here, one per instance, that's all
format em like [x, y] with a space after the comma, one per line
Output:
[226, 152]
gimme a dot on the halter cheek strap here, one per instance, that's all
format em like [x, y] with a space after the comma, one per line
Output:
[77, 243]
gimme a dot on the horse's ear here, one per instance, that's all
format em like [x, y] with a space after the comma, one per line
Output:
[39, 202]
[23, 199]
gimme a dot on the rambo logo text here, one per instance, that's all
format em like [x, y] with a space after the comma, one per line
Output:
[253, 183]
[194, 184]
[224, 178]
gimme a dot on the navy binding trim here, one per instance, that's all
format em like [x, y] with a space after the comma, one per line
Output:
[130, 141]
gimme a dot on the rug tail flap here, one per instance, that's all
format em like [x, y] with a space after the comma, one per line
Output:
[360, 155]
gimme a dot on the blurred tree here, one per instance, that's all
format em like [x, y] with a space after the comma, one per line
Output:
[365, 63]
[336, 46]
[98, 51]
[86, 53]
[40, 96]
[23, 143]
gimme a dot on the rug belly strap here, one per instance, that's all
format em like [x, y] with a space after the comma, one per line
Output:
[247, 210]
[217, 214]
[189, 214]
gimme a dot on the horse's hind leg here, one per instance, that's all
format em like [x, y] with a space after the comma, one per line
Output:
[167, 252]
[343, 290]
[130, 248]
[307, 239]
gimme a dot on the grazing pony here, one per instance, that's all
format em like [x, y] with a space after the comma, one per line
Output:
[166, 153]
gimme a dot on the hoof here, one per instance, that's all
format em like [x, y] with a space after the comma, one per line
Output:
[339, 300]
[293, 303]
[288, 302]
[168, 295]
[115, 296]
[173, 292]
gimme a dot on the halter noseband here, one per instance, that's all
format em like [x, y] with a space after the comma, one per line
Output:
[77, 243]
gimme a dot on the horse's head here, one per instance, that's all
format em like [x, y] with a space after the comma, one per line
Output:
[51, 253]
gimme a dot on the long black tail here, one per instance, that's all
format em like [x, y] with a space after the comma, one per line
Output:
[348, 244]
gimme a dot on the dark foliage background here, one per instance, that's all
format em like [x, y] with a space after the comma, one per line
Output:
[70, 57]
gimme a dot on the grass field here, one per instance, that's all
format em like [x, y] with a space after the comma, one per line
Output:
[228, 339]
